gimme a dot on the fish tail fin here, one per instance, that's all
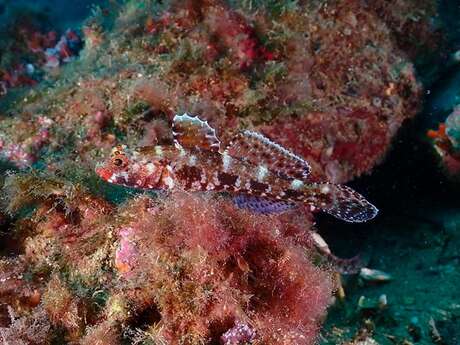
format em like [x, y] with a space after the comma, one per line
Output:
[342, 202]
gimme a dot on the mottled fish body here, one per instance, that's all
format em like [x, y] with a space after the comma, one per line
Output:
[261, 175]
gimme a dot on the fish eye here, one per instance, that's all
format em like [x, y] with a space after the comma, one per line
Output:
[118, 162]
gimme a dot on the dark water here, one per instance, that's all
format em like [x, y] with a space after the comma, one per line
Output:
[415, 237]
[57, 14]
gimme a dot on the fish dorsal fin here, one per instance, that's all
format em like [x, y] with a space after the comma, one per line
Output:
[193, 133]
[258, 150]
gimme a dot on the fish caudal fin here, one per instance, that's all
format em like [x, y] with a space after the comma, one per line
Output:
[344, 203]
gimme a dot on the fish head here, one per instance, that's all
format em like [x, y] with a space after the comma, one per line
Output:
[131, 169]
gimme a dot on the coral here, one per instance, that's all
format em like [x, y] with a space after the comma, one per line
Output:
[62, 308]
[453, 128]
[239, 334]
[125, 257]
[235, 34]
[66, 49]
[104, 333]
[446, 142]
[16, 291]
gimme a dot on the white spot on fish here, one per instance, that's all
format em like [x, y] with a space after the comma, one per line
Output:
[116, 178]
[325, 189]
[136, 168]
[196, 185]
[150, 168]
[320, 242]
[192, 160]
[226, 161]
[203, 178]
[181, 150]
[159, 151]
[296, 184]
[238, 182]
[124, 175]
[169, 182]
[215, 179]
[262, 172]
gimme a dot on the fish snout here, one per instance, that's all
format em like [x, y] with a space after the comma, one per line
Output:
[103, 172]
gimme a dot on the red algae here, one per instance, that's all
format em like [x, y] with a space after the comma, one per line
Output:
[233, 267]
[183, 268]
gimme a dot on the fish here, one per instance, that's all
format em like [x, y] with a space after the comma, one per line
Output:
[261, 175]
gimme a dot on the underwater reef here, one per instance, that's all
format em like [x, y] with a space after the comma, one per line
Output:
[187, 269]
[85, 262]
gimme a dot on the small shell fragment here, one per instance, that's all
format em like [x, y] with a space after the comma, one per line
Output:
[367, 341]
[374, 275]
[379, 303]
[383, 301]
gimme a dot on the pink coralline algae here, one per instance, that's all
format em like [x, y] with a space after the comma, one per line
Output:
[240, 334]
[65, 50]
[126, 254]
[237, 35]
[40, 50]
[25, 151]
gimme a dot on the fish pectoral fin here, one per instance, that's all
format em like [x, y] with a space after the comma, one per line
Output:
[193, 133]
[346, 204]
[262, 205]
[256, 149]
